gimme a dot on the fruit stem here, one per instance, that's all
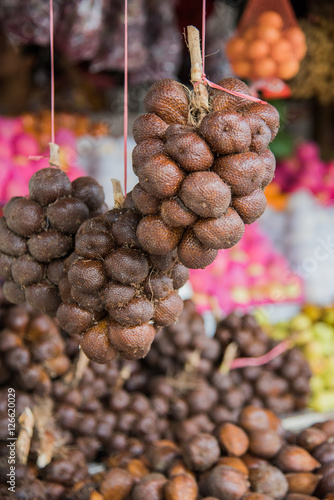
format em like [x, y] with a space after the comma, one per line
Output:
[26, 421]
[54, 155]
[118, 193]
[199, 102]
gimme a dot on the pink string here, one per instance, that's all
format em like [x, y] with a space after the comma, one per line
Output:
[125, 95]
[203, 34]
[52, 75]
[204, 78]
[261, 360]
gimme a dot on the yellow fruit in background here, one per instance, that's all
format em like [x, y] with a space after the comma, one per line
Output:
[264, 67]
[288, 69]
[323, 401]
[235, 48]
[313, 312]
[271, 18]
[323, 332]
[257, 48]
[300, 322]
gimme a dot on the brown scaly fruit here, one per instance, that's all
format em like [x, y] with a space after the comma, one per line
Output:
[177, 155]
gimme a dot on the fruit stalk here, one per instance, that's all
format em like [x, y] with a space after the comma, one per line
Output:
[199, 104]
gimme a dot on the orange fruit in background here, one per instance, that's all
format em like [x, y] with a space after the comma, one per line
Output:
[265, 67]
[282, 50]
[235, 48]
[295, 35]
[271, 18]
[268, 33]
[241, 68]
[249, 33]
[257, 48]
[288, 69]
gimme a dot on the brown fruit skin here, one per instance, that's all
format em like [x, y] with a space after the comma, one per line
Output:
[67, 214]
[310, 438]
[49, 184]
[232, 439]
[89, 191]
[300, 496]
[6, 262]
[145, 202]
[250, 207]
[302, 482]
[50, 244]
[13, 292]
[205, 194]
[125, 227]
[144, 151]
[87, 276]
[268, 113]
[226, 483]
[253, 418]
[201, 452]
[269, 480]
[193, 254]
[43, 297]
[126, 265]
[96, 345]
[117, 484]
[220, 232]
[235, 463]
[256, 496]
[116, 295]
[11, 243]
[265, 443]
[156, 237]
[190, 151]
[23, 216]
[181, 487]
[160, 176]
[158, 287]
[243, 172]
[93, 245]
[179, 275]
[222, 101]
[150, 487]
[73, 319]
[26, 271]
[168, 99]
[148, 126]
[293, 458]
[226, 132]
[269, 160]
[168, 309]
[261, 134]
[175, 214]
[132, 342]
[136, 312]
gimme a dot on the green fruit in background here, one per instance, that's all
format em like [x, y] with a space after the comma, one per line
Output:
[312, 330]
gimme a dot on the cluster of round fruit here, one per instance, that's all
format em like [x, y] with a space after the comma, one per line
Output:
[122, 406]
[281, 385]
[267, 49]
[37, 234]
[253, 459]
[198, 185]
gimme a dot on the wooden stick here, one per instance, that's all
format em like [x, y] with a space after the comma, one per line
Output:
[26, 421]
[194, 47]
[199, 102]
[54, 155]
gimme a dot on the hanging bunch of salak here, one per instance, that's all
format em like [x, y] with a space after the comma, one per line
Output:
[111, 277]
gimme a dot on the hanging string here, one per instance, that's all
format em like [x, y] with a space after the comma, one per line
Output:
[204, 78]
[52, 75]
[262, 360]
[125, 131]
[203, 35]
